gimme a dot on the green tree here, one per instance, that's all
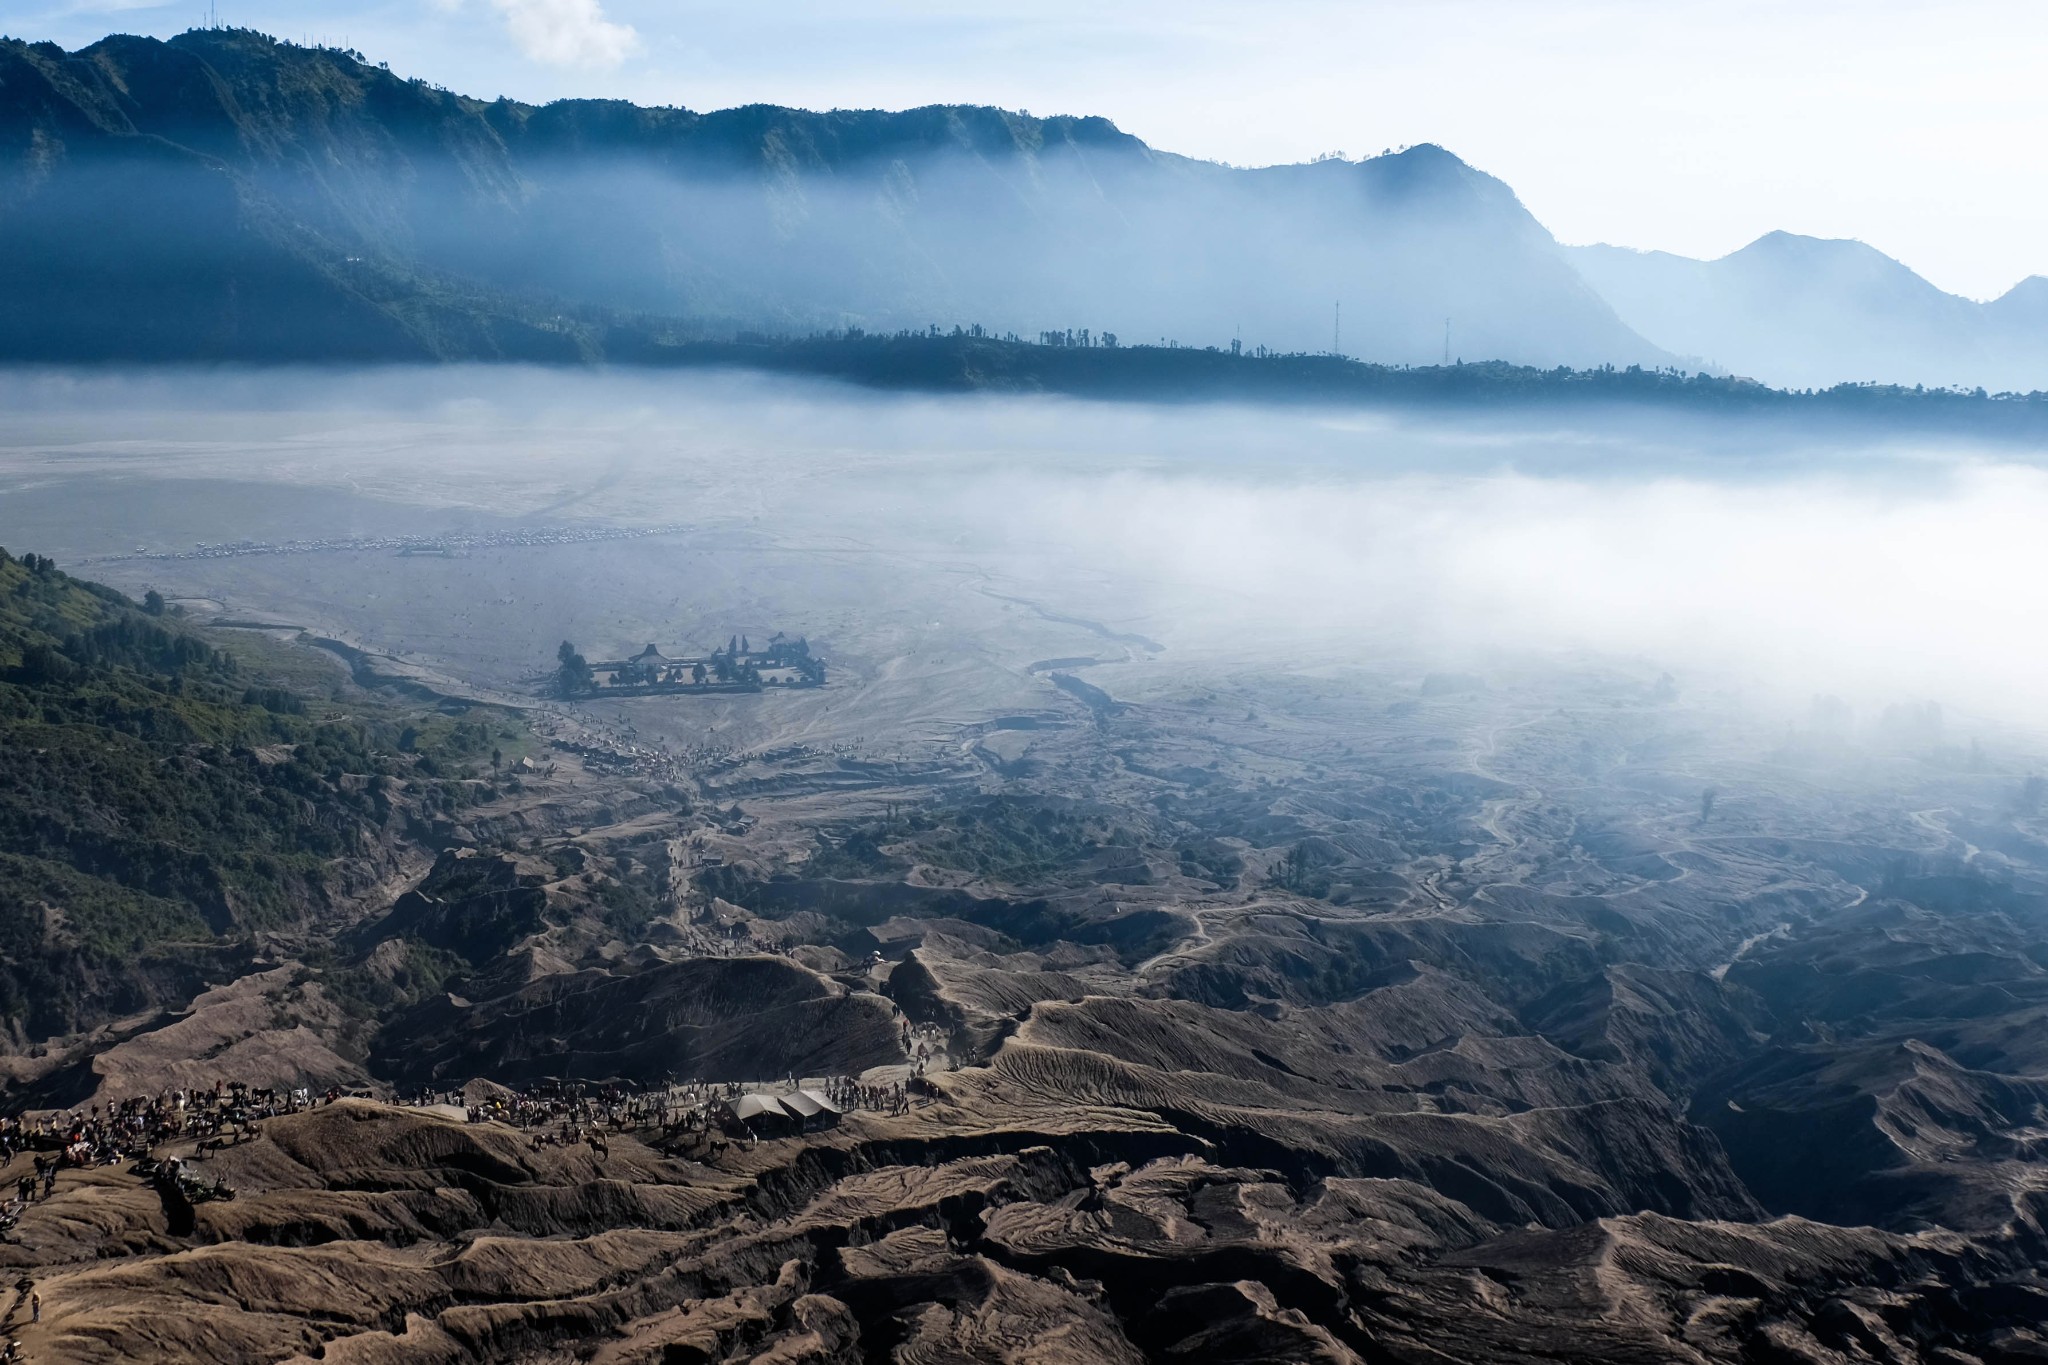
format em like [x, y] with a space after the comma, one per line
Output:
[574, 675]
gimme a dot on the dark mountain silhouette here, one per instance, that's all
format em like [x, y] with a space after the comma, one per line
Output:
[1804, 311]
[224, 195]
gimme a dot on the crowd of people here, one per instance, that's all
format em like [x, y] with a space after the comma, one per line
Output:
[926, 1045]
[567, 1113]
[889, 1097]
[552, 1113]
[102, 1135]
[226, 1114]
[569, 1105]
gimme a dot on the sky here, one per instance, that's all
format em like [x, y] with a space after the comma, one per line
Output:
[1918, 127]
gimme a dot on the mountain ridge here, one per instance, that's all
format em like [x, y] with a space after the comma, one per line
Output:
[413, 221]
[1798, 311]
[222, 195]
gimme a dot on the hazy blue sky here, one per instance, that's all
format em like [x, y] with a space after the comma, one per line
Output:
[1919, 127]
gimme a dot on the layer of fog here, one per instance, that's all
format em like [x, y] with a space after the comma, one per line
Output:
[1785, 565]
[1420, 252]
[927, 218]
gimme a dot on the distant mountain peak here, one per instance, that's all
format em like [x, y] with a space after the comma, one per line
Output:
[1428, 173]
[1799, 310]
[2030, 296]
[1423, 154]
[1781, 261]
[1798, 244]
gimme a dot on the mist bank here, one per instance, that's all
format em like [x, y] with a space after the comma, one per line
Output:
[224, 196]
[1761, 560]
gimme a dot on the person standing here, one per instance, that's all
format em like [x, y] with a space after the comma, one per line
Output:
[35, 1307]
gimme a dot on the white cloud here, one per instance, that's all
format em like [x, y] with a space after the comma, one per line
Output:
[567, 32]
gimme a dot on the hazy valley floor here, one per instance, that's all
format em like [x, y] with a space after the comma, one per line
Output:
[1297, 931]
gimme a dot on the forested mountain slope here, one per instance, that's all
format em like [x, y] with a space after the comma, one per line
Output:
[223, 195]
[226, 195]
[162, 808]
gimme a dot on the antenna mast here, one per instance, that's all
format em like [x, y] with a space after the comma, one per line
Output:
[1447, 341]
[1337, 330]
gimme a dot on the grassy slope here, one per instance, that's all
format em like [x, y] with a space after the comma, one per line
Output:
[160, 804]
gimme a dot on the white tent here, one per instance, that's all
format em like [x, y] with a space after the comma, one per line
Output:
[751, 1107]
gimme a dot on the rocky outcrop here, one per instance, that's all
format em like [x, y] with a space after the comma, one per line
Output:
[474, 905]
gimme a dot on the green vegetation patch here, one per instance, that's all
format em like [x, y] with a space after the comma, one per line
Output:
[154, 791]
